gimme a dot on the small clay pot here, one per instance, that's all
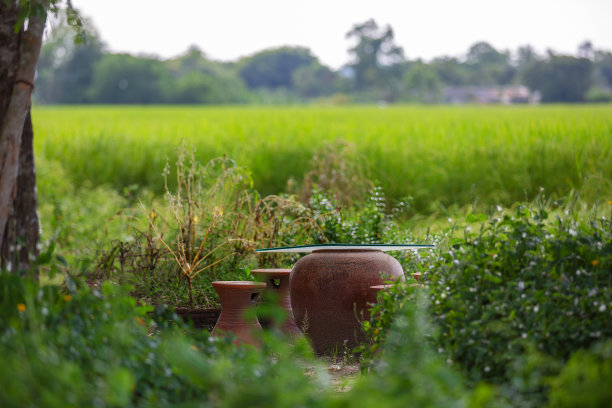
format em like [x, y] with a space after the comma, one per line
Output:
[277, 291]
[330, 291]
[236, 298]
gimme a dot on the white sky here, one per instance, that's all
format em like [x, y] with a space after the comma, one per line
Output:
[228, 29]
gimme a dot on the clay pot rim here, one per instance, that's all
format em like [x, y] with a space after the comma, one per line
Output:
[240, 285]
[317, 251]
[384, 286]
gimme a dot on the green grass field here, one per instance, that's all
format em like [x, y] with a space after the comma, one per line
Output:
[438, 155]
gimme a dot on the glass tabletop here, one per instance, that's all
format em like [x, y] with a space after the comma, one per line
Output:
[348, 247]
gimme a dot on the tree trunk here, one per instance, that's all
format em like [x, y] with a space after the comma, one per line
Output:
[22, 229]
[18, 58]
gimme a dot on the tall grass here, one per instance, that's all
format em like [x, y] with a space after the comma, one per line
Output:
[441, 156]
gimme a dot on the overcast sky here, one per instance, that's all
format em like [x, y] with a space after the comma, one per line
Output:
[228, 29]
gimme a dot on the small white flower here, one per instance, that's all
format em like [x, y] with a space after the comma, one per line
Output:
[602, 308]
[499, 208]
[524, 335]
[487, 369]
[572, 232]
[536, 308]
[521, 285]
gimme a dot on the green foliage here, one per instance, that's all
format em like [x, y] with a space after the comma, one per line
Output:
[198, 80]
[314, 80]
[84, 347]
[125, 79]
[369, 223]
[523, 282]
[375, 56]
[407, 371]
[400, 296]
[77, 347]
[65, 65]
[206, 230]
[522, 304]
[274, 68]
[488, 66]
[585, 380]
[560, 78]
[422, 84]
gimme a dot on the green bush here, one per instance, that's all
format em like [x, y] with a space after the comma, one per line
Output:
[523, 279]
[585, 380]
[513, 302]
[81, 347]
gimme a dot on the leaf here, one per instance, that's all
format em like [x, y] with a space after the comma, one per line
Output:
[493, 278]
[480, 217]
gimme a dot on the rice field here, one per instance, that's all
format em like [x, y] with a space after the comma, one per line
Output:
[441, 156]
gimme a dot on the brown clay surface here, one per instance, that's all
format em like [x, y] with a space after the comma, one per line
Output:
[330, 292]
[277, 290]
[236, 298]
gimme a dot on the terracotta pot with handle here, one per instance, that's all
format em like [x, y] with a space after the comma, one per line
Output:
[236, 298]
[277, 291]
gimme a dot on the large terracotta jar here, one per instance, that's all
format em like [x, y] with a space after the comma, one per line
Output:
[277, 292]
[330, 292]
[236, 298]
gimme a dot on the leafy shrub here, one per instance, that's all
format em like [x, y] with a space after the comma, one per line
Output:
[521, 280]
[407, 371]
[513, 302]
[207, 230]
[585, 380]
[363, 223]
[84, 347]
[389, 302]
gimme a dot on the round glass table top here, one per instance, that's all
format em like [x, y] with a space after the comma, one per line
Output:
[348, 247]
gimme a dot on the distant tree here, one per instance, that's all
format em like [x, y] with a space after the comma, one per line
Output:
[375, 56]
[525, 55]
[314, 80]
[422, 83]
[489, 66]
[123, 78]
[586, 50]
[65, 67]
[602, 65]
[451, 71]
[274, 68]
[560, 78]
[197, 79]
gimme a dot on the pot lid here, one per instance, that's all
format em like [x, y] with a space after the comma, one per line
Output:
[347, 247]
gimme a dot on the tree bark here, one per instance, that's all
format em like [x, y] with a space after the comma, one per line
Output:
[22, 233]
[18, 218]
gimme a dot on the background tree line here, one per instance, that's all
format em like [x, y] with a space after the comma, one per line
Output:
[71, 73]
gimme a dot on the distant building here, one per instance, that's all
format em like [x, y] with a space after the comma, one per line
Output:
[487, 95]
